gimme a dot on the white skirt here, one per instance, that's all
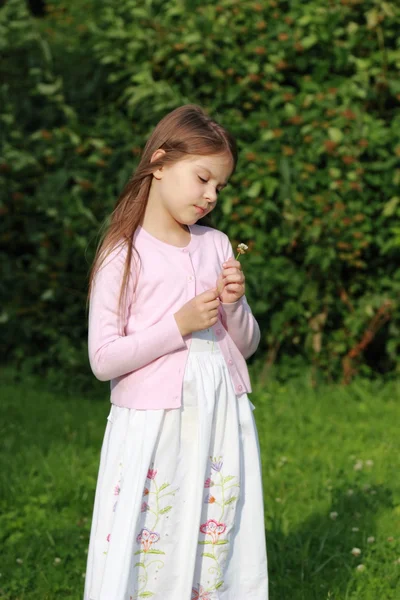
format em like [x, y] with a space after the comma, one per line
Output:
[178, 511]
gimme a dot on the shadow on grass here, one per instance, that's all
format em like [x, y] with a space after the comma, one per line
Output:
[315, 562]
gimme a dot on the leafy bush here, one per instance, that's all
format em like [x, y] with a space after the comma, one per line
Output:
[312, 93]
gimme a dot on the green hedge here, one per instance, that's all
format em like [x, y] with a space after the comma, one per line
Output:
[312, 93]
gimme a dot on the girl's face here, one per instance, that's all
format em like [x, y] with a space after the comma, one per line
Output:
[192, 183]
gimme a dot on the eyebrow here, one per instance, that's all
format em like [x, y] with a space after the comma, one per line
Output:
[224, 184]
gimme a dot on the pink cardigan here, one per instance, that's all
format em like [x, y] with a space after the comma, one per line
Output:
[144, 355]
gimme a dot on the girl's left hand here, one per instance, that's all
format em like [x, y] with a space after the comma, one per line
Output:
[231, 282]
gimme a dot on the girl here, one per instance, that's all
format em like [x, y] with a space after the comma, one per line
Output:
[178, 510]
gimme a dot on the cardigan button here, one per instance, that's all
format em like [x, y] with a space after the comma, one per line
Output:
[218, 331]
[240, 387]
[230, 361]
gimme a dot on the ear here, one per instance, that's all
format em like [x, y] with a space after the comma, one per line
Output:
[155, 156]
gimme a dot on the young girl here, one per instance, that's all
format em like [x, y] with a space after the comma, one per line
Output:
[178, 510]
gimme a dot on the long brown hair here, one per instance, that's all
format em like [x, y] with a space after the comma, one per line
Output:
[187, 130]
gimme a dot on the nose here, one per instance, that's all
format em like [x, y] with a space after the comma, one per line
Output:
[210, 195]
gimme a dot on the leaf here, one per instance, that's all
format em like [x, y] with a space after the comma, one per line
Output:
[155, 552]
[164, 485]
[208, 555]
[165, 510]
[390, 206]
[335, 134]
[228, 478]
[309, 41]
[145, 595]
[254, 189]
[219, 584]
[232, 499]
[140, 564]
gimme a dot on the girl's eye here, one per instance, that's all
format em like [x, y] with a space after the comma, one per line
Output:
[206, 181]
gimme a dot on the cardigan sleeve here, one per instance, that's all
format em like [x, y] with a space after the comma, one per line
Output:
[237, 317]
[112, 353]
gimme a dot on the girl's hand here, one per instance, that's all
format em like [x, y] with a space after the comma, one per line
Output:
[231, 282]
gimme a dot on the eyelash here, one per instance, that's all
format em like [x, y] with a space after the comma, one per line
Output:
[206, 181]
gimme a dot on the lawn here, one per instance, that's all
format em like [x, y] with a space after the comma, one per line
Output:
[331, 459]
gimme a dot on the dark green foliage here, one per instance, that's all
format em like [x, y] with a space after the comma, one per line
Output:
[312, 92]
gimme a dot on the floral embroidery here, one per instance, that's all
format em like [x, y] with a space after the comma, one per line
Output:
[216, 531]
[151, 473]
[216, 465]
[200, 593]
[117, 490]
[147, 539]
[154, 508]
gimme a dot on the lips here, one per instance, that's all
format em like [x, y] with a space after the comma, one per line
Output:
[201, 208]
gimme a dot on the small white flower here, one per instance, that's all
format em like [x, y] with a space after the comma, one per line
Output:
[397, 561]
[278, 499]
[355, 529]
[371, 539]
[356, 552]
[19, 561]
[350, 492]
[333, 515]
[360, 568]
[242, 248]
[366, 487]
[57, 560]
[369, 463]
[358, 465]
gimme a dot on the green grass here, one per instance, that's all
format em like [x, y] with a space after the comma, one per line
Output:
[311, 439]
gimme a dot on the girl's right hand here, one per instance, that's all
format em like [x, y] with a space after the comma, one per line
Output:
[199, 313]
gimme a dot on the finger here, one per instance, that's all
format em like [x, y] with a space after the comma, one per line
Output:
[210, 295]
[232, 262]
[235, 278]
[231, 270]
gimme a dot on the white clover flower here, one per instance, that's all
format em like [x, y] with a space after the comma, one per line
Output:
[334, 515]
[366, 487]
[278, 499]
[241, 249]
[19, 561]
[360, 568]
[397, 561]
[355, 529]
[356, 551]
[57, 560]
[350, 492]
[370, 539]
[358, 465]
[369, 463]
